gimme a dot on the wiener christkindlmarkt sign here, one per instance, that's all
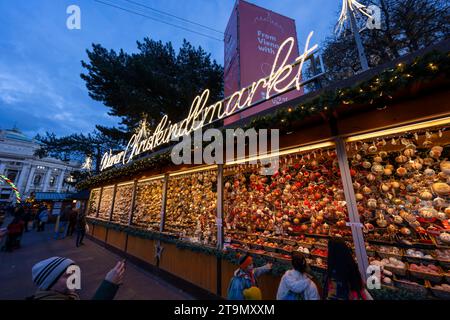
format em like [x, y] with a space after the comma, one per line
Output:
[284, 76]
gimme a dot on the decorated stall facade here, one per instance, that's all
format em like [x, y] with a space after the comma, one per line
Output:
[367, 161]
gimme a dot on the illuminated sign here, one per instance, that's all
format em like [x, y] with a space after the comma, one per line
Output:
[283, 77]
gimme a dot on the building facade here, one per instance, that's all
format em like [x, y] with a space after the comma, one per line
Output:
[29, 172]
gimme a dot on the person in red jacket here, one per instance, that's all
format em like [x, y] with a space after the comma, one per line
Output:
[15, 230]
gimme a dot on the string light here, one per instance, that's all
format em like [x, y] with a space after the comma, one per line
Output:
[433, 66]
[13, 186]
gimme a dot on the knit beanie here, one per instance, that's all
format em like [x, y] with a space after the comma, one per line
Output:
[46, 272]
[245, 261]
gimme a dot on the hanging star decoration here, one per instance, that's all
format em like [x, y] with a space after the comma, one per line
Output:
[349, 7]
[87, 165]
[158, 251]
[143, 127]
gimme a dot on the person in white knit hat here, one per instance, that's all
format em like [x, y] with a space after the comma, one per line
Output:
[50, 276]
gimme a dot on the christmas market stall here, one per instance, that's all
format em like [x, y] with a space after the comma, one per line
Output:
[366, 159]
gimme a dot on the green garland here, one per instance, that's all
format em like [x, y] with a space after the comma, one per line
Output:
[156, 235]
[278, 269]
[229, 255]
[387, 293]
[128, 171]
[377, 91]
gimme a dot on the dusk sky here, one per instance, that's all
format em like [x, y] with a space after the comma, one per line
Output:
[40, 85]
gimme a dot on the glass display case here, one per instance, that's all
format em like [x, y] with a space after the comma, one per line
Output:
[191, 206]
[297, 208]
[401, 183]
[106, 203]
[147, 204]
[93, 203]
[122, 203]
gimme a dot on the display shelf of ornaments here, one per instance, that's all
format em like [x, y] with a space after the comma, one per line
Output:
[106, 202]
[191, 207]
[122, 204]
[401, 184]
[298, 208]
[402, 188]
[93, 203]
[147, 204]
[302, 200]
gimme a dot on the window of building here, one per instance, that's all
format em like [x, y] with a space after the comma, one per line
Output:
[52, 181]
[4, 196]
[12, 175]
[37, 179]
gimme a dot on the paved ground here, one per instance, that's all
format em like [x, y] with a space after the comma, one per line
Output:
[94, 261]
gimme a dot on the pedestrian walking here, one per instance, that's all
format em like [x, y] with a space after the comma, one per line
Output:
[26, 217]
[343, 280]
[42, 219]
[81, 229]
[61, 231]
[296, 283]
[51, 276]
[244, 285]
[14, 234]
[19, 212]
[72, 222]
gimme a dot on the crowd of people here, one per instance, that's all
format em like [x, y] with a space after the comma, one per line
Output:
[26, 217]
[51, 275]
[342, 280]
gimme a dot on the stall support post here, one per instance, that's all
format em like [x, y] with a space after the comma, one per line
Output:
[113, 202]
[219, 224]
[219, 220]
[163, 218]
[163, 203]
[111, 211]
[130, 216]
[356, 226]
[133, 201]
[99, 201]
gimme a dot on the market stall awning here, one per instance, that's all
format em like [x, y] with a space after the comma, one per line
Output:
[52, 196]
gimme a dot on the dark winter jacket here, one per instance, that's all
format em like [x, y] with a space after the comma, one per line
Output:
[81, 222]
[106, 291]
